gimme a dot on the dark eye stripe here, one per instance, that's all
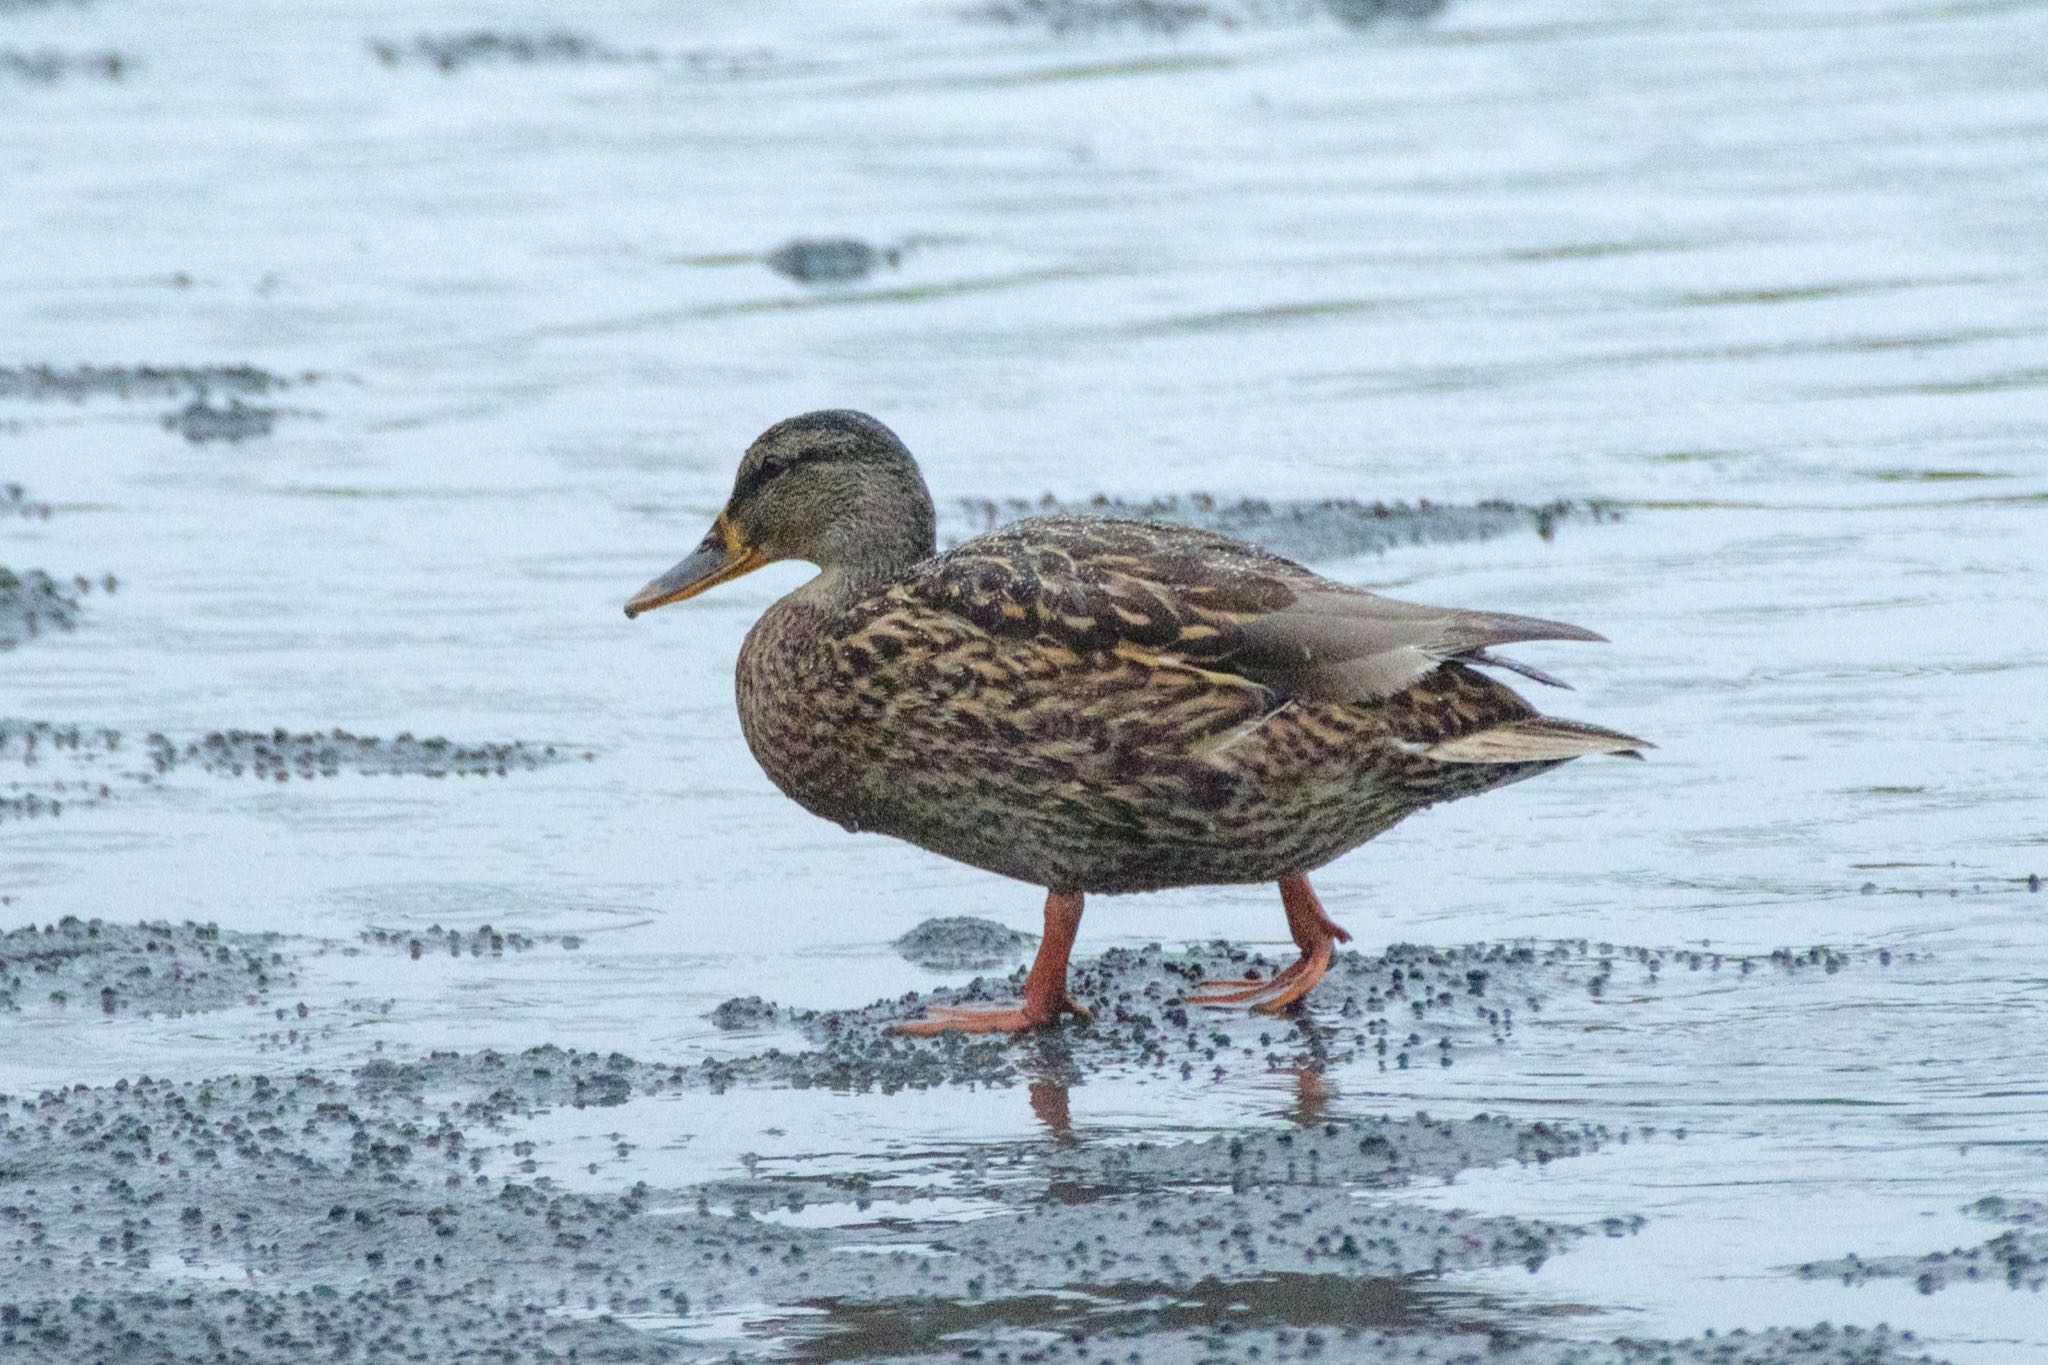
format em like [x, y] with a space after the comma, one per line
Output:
[750, 482]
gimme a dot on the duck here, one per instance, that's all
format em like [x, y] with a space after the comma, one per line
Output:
[1097, 705]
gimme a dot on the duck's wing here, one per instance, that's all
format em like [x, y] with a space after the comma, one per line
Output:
[1193, 597]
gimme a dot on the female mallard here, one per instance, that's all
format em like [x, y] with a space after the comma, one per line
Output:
[1089, 704]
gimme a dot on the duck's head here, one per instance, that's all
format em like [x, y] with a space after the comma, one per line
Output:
[834, 488]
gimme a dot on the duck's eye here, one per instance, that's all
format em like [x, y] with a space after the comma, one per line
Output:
[754, 480]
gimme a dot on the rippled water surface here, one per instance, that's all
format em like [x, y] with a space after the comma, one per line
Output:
[1771, 278]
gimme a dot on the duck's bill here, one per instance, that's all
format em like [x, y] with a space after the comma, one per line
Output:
[719, 559]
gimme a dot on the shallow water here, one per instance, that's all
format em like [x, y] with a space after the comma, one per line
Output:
[1770, 276]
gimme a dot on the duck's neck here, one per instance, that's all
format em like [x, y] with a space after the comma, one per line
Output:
[861, 568]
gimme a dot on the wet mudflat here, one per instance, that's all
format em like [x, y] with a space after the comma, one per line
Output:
[365, 361]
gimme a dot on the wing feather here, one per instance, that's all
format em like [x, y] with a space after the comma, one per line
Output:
[1098, 584]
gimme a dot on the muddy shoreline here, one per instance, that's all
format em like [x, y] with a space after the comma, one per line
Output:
[391, 1210]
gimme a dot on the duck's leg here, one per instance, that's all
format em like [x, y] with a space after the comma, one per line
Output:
[1045, 990]
[1315, 933]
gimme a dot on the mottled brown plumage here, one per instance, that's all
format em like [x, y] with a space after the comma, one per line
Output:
[1097, 705]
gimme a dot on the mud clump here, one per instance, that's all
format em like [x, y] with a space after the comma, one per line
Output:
[1823, 959]
[1377, 1153]
[48, 66]
[1179, 1236]
[1331, 1337]
[69, 765]
[46, 383]
[29, 741]
[375, 1324]
[201, 423]
[15, 501]
[483, 941]
[280, 755]
[32, 601]
[1364, 12]
[2017, 1257]
[745, 1012]
[201, 420]
[830, 260]
[452, 52]
[1411, 1006]
[138, 968]
[1319, 529]
[963, 942]
[1170, 18]
[1164, 17]
[33, 745]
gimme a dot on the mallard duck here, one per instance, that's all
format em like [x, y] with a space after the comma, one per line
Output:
[1097, 705]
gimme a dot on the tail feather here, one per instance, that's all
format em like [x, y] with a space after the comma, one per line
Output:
[1536, 739]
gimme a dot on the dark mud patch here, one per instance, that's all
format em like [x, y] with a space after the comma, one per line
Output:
[1234, 1341]
[1231, 1310]
[449, 53]
[480, 942]
[186, 1327]
[56, 766]
[1374, 1153]
[1320, 529]
[280, 755]
[138, 968]
[831, 260]
[1170, 18]
[2016, 1258]
[745, 1013]
[214, 406]
[47, 66]
[1411, 1006]
[203, 423]
[32, 602]
[77, 383]
[15, 502]
[963, 942]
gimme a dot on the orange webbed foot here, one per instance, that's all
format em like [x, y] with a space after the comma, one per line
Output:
[1045, 989]
[1238, 990]
[1315, 933]
[1297, 981]
[1017, 1018]
[1268, 997]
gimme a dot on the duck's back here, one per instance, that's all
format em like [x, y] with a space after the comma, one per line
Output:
[1104, 705]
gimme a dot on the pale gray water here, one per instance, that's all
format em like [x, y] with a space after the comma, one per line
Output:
[1773, 276]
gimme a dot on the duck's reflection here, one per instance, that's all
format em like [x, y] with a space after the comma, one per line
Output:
[1312, 1095]
[1050, 1074]
[1049, 1102]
